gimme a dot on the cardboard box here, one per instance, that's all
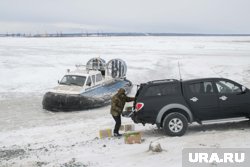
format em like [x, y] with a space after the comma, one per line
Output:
[132, 137]
[127, 127]
[105, 133]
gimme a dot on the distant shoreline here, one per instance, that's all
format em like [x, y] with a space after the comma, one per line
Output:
[53, 35]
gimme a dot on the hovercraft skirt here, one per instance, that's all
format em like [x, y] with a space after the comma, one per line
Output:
[65, 102]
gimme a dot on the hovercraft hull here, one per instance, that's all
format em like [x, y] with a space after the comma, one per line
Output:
[94, 98]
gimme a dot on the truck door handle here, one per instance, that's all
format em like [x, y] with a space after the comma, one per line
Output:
[194, 99]
[223, 98]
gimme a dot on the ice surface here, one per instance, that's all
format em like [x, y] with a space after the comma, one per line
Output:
[31, 66]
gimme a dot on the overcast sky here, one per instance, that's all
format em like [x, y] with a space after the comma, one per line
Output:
[169, 16]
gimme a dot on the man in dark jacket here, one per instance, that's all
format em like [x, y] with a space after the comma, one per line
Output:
[117, 104]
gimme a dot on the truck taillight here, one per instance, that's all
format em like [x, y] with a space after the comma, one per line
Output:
[138, 106]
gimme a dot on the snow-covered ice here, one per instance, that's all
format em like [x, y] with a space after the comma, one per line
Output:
[31, 136]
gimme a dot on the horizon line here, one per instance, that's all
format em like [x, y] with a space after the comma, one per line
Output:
[86, 34]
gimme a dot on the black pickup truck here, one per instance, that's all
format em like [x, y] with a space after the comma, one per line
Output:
[172, 104]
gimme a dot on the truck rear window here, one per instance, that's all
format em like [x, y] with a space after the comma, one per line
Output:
[162, 90]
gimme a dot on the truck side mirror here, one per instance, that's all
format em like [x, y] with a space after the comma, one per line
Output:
[58, 81]
[88, 84]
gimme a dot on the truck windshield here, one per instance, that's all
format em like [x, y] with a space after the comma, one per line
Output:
[73, 80]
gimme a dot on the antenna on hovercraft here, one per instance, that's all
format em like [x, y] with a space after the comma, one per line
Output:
[179, 70]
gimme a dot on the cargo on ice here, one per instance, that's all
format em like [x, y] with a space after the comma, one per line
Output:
[88, 86]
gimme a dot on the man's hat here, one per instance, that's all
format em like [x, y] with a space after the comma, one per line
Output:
[121, 90]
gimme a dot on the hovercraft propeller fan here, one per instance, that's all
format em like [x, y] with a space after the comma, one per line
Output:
[96, 64]
[116, 68]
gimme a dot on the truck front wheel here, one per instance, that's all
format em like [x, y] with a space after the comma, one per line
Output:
[175, 124]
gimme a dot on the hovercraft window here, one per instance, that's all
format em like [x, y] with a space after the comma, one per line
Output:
[73, 80]
[88, 82]
[93, 79]
[98, 77]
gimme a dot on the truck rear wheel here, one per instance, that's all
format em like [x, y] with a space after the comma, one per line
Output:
[175, 124]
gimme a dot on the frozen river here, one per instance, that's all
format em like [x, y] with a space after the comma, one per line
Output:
[31, 66]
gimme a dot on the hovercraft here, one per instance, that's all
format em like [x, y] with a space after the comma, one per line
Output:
[88, 86]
